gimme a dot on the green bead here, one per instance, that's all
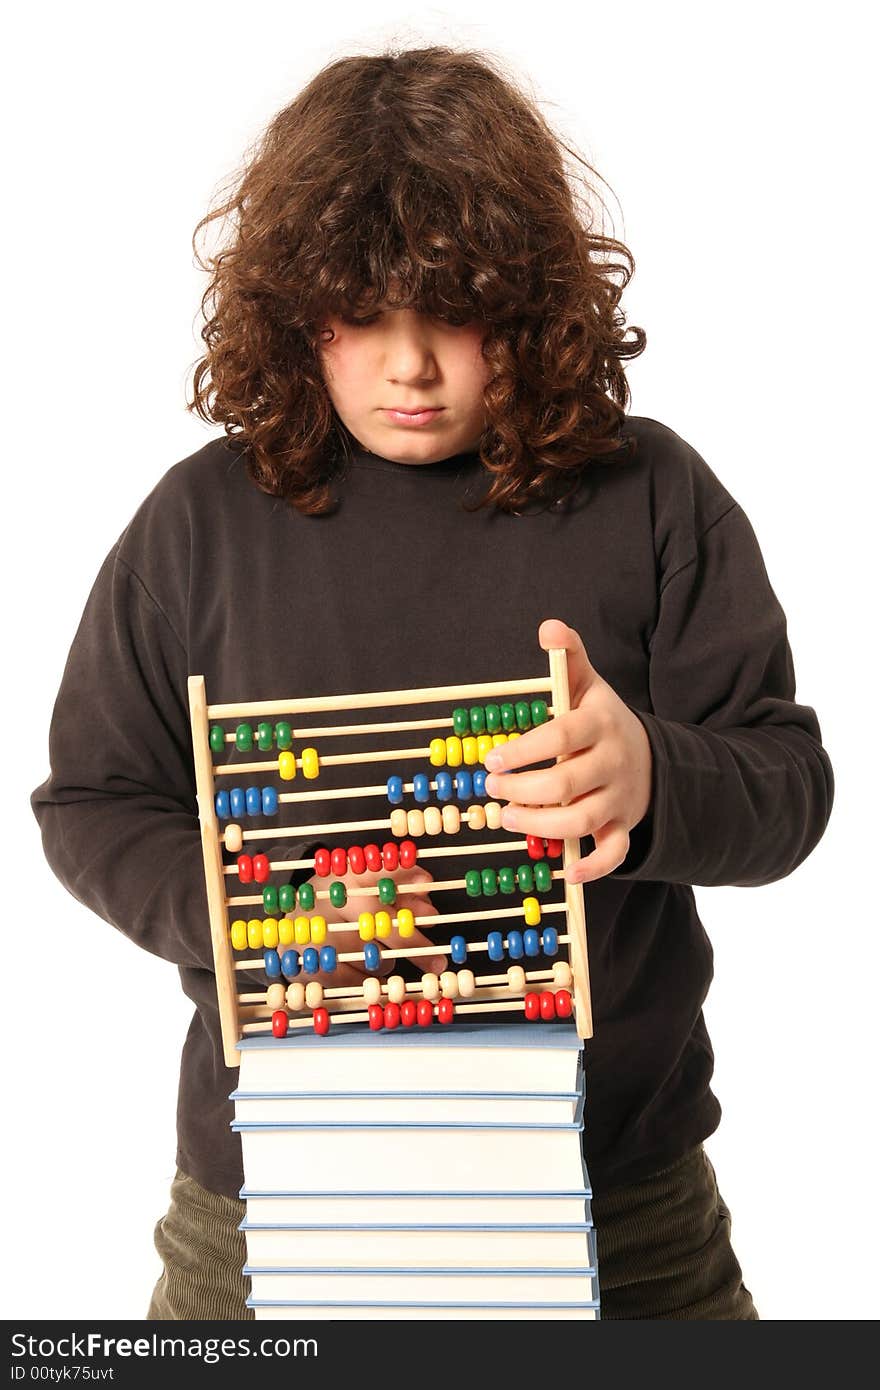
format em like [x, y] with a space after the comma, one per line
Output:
[217, 738]
[543, 876]
[523, 715]
[244, 738]
[306, 895]
[473, 883]
[539, 712]
[525, 879]
[270, 899]
[489, 880]
[508, 717]
[338, 895]
[264, 737]
[478, 719]
[506, 880]
[286, 897]
[461, 723]
[387, 891]
[283, 736]
[493, 719]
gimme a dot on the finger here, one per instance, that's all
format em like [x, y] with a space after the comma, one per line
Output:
[581, 673]
[558, 738]
[552, 786]
[612, 847]
[581, 817]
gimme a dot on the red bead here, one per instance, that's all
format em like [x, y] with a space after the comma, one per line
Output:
[356, 861]
[245, 868]
[554, 849]
[548, 1005]
[339, 861]
[261, 867]
[376, 1017]
[373, 857]
[408, 1013]
[321, 1021]
[532, 1005]
[563, 1003]
[389, 855]
[535, 846]
[279, 1023]
[408, 853]
[322, 863]
[445, 1010]
[392, 1015]
[425, 1013]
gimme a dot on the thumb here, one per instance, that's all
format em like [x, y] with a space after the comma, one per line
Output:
[581, 673]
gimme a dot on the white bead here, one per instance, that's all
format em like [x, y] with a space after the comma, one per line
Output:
[562, 974]
[516, 979]
[396, 986]
[314, 994]
[296, 996]
[372, 990]
[233, 838]
[451, 819]
[493, 814]
[466, 983]
[398, 821]
[275, 996]
[430, 986]
[449, 984]
[476, 817]
[433, 820]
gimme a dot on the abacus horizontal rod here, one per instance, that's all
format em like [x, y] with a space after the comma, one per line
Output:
[499, 1005]
[331, 828]
[394, 953]
[412, 987]
[374, 755]
[403, 889]
[435, 852]
[393, 726]
[370, 699]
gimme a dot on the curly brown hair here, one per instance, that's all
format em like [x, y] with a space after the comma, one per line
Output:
[429, 172]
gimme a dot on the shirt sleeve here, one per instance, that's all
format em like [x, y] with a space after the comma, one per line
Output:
[742, 787]
[118, 813]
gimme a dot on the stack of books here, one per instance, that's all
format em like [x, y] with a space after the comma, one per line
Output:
[424, 1174]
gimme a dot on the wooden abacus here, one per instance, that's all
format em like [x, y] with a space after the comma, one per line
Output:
[295, 1004]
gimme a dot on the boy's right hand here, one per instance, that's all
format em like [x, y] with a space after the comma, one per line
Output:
[411, 893]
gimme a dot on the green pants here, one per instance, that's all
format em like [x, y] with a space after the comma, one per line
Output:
[663, 1244]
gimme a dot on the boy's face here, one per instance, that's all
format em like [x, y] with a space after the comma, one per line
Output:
[399, 360]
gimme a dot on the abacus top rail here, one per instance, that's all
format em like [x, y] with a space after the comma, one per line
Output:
[428, 695]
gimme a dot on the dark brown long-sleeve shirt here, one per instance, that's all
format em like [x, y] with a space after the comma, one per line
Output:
[657, 568]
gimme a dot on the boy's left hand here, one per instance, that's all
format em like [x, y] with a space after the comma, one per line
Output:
[601, 788]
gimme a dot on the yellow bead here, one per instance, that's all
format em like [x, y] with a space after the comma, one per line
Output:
[270, 933]
[532, 911]
[302, 934]
[437, 752]
[396, 986]
[239, 933]
[485, 744]
[276, 997]
[366, 926]
[430, 986]
[311, 764]
[562, 974]
[433, 820]
[469, 751]
[516, 979]
[296, 996]
[453, 752]
[451, 819]
[233, 838]
[285, 931]
[383, 923]
[286, 766]
[514, 733]
[314, 994]
[449, 984]
[319, 930]
[398, 822]
[476, 817]
[372, 990]
[466, 983]
[255, 934]
[493, 814]
[406, 922]
[498, 739]
[415, 823]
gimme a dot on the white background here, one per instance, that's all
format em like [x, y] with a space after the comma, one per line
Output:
[736, 142]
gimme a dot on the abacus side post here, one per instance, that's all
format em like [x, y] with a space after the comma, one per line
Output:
[224, 967]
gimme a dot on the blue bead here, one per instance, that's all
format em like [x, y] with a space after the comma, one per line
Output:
[371, 955]
[221, 805]
[443, 781]
[480, 782]
[458, 950]
[327, 956]
[531, 941]
[395, 790]
[495, 942]
[290, 964]
[270, 801]
[236, 802]
[310, 960]
[253, 801]
[421, 787]
[550, 941]
[464, 786]
[515, 945]
[272, 964]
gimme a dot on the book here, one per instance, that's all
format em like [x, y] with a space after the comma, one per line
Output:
[419, 1247]
[403, 1312]
[416, 1208]
[358, 1108]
